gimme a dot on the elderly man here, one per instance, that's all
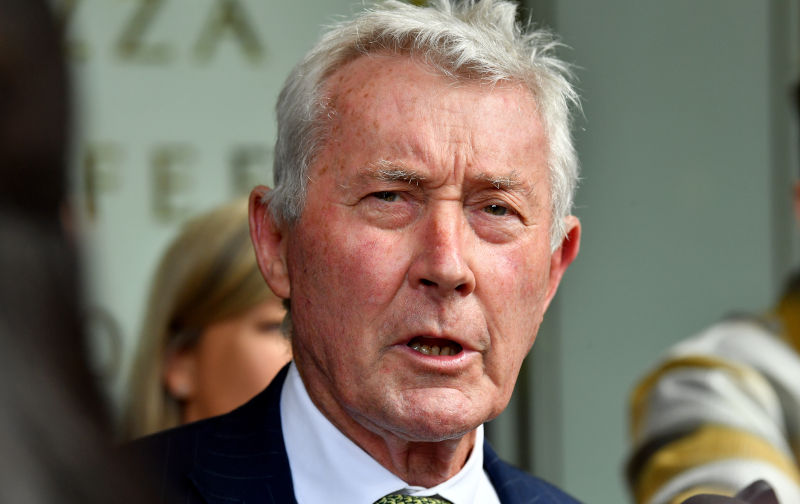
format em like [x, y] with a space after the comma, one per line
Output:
[420, 225]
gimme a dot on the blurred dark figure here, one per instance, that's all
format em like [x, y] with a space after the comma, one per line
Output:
[53, 434]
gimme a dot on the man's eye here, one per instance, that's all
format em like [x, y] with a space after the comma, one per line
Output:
[388, 196]
[496, 210]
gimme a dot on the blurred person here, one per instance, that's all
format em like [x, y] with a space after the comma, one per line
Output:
[55, 443]
[722, 409]
[211, 338]
[420, 225]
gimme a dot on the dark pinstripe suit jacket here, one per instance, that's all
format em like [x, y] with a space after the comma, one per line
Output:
[240, 458]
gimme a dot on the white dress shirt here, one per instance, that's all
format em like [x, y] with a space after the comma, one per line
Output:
[328, 467]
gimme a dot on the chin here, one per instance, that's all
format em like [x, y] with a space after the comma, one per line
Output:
[437, 419]
[426, 431]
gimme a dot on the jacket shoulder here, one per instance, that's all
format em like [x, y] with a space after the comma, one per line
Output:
[167, 458]
[236, 457]
[515, 486]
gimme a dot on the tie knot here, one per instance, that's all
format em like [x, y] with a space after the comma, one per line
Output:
[411, 499]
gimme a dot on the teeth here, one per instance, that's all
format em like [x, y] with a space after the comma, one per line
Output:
[434, 349]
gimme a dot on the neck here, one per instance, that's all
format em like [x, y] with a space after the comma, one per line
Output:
[409, 456]
[424, 464]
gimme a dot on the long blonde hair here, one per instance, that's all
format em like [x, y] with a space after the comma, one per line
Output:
[209, 273]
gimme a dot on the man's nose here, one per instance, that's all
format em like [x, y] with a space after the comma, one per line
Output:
[441, 264]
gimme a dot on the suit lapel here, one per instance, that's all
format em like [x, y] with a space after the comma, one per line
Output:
[241, 458]
[514, 486]
[496, 470]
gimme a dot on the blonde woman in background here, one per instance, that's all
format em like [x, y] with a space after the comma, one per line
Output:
[212, 337]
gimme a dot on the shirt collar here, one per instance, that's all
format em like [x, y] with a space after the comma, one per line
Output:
[328, 467]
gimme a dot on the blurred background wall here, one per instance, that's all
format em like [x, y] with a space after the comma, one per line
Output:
[176, 104]
[687, 143]
[689, 150]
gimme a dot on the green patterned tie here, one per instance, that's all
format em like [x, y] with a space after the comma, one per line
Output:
[411, 499]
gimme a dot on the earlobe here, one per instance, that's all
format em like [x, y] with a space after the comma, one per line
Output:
[179, 374]
[563, 256]
[269, 243]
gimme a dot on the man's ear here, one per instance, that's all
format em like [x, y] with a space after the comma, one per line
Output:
[269, 241]
[563, 256]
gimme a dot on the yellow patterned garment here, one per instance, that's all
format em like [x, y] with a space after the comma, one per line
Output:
[722, 410]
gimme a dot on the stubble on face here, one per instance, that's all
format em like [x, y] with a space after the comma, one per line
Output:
[426, 226]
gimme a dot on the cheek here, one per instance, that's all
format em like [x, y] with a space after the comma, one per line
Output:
[342, 264]
[216, 358]
[215, 348]
[378, 263]
[521, 278]
[518, 284]
[262, 356]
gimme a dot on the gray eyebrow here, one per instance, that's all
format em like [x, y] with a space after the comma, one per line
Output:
[507, 182]
[389, 171]
[392, 172]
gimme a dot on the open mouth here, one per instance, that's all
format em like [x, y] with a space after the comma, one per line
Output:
[434, 346]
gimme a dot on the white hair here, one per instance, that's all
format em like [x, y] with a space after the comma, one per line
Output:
[468, 40]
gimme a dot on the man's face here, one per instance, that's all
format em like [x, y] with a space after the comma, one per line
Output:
[425, 231]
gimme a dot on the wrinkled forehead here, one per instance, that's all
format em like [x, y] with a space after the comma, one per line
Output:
[338, 80]
[390, 108]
